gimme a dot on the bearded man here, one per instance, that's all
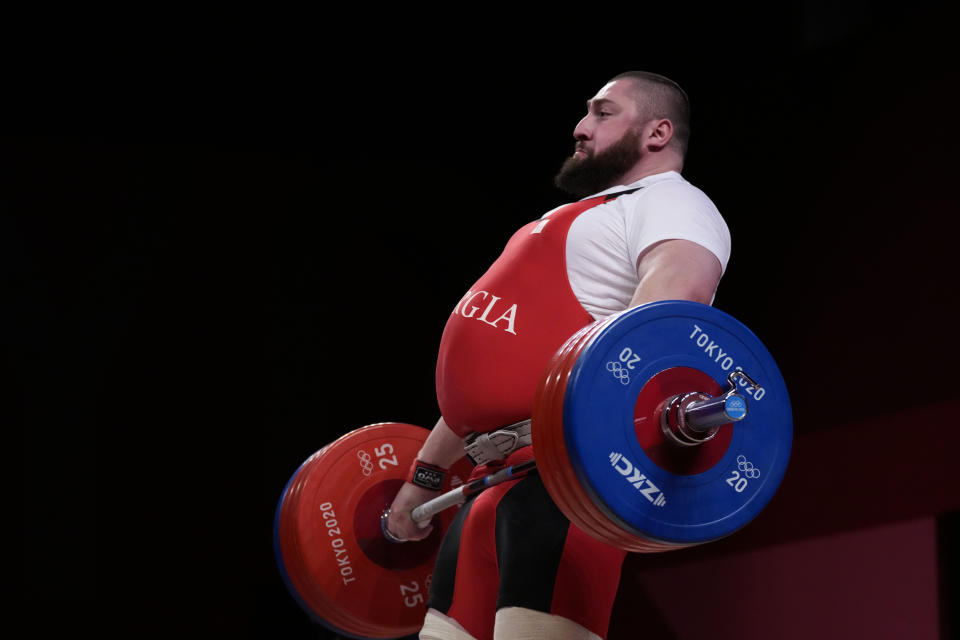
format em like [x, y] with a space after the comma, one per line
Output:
[511, 565]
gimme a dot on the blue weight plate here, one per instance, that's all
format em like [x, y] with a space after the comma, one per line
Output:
[602, 440]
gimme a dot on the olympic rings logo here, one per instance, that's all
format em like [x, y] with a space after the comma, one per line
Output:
[619, 372]
[366, 463]
[747, 467]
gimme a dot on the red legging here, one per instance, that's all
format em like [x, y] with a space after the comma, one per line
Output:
[510, 546]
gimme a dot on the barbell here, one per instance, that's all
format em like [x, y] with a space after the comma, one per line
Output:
[661, 427]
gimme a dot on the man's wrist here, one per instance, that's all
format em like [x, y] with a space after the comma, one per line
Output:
[426, 475]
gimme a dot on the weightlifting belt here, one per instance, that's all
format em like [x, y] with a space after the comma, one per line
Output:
[497, 445]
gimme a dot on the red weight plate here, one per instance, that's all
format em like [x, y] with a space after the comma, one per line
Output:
[288, 510]
[550, 449]
[552, 464]
[576, 501]
[667, 455]
[588, 510]
[337, 560]
[293, 563]
[323, 597]
[292, 553]
[561, 478]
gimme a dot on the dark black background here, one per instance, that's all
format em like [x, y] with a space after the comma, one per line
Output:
[227, 241]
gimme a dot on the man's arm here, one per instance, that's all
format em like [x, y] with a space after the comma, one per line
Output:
[677, 270]
[442, 448]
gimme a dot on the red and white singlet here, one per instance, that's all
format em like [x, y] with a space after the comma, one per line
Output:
[503, 332]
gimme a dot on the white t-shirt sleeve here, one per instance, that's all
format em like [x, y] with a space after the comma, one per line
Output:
[676, 210]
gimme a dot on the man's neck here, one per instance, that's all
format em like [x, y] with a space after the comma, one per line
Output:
[649, 166]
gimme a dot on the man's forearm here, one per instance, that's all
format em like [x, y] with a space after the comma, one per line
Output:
[443, 447]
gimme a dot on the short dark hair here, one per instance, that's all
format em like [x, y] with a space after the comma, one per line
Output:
[661, 97]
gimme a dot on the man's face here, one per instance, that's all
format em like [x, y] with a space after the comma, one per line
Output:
[608, 141]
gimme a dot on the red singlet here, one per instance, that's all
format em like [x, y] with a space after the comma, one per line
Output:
[503, 332]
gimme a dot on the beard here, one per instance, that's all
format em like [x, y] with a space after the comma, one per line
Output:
[584, 176]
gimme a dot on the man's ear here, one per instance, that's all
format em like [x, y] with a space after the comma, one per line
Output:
[658, 133]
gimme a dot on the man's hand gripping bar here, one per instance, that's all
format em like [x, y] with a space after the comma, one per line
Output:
[422, 514]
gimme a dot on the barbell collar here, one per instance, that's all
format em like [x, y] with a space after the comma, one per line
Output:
[674, 422]
[702, 416]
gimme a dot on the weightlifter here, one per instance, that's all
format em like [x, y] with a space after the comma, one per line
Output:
[511, 565]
